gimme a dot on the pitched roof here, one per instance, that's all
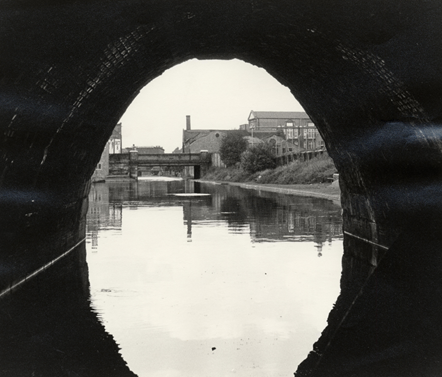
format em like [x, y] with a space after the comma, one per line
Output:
[278, 115]
[189, 136]
[253, 140]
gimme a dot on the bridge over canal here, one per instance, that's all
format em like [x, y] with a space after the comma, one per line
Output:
[134, 164]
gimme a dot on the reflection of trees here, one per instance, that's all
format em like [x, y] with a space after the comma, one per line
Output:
[239, 207]
[233, 210]
[278, 217]
[283, 217]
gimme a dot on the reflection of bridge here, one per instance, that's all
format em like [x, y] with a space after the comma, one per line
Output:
[133, 164]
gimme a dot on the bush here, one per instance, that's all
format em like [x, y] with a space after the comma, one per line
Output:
[231, 174]
[231, 148]
[257, 158]
[316, 170]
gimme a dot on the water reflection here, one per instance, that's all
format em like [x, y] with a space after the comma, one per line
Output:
[247, 296]
[270, 217]
[274, 217]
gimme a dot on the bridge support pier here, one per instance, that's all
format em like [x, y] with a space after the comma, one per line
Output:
[133, 164]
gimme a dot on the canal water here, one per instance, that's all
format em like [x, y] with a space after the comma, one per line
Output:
[196, 279]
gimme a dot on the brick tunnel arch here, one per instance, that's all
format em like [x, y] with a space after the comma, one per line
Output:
[368, 74]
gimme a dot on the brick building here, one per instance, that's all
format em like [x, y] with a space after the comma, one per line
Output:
[102, 168]
[116, 140]
[196, 140]
[113, 146]
[295, 125]
[280, 145]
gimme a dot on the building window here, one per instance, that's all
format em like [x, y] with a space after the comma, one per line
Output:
[99, 166]
[289, 133]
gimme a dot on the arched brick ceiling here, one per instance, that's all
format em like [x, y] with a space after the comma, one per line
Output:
[368, 73]
[72, 68]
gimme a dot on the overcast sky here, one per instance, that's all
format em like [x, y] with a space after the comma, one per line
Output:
[217, 94]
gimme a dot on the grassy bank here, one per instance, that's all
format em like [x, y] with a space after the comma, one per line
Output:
[316, 170]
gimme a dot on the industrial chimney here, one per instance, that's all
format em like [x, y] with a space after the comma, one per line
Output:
[188, 128]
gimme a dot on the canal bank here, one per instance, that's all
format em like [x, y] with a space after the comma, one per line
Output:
[314, 190]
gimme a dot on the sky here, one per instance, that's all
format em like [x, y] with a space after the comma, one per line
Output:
[217, 94]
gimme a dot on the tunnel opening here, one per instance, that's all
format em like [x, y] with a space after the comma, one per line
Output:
[367, 73]
[102, 210]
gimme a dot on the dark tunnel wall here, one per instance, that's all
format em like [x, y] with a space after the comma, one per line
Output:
[367, 73]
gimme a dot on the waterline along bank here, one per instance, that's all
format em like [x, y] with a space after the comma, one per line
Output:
[329, 191]
[313, 178]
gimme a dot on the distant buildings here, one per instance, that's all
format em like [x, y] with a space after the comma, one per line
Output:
[102, 168]
[281, 145]
[116, 140]
[295, 126]
[195, 141]
[113, 146]
[272, 121]
[107, 165]
[286, 131]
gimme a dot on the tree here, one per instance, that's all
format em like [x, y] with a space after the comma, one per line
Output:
[232, 146]
[257, 158]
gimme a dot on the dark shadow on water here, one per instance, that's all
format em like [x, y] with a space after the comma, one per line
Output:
[391, 324]
[49, 329]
